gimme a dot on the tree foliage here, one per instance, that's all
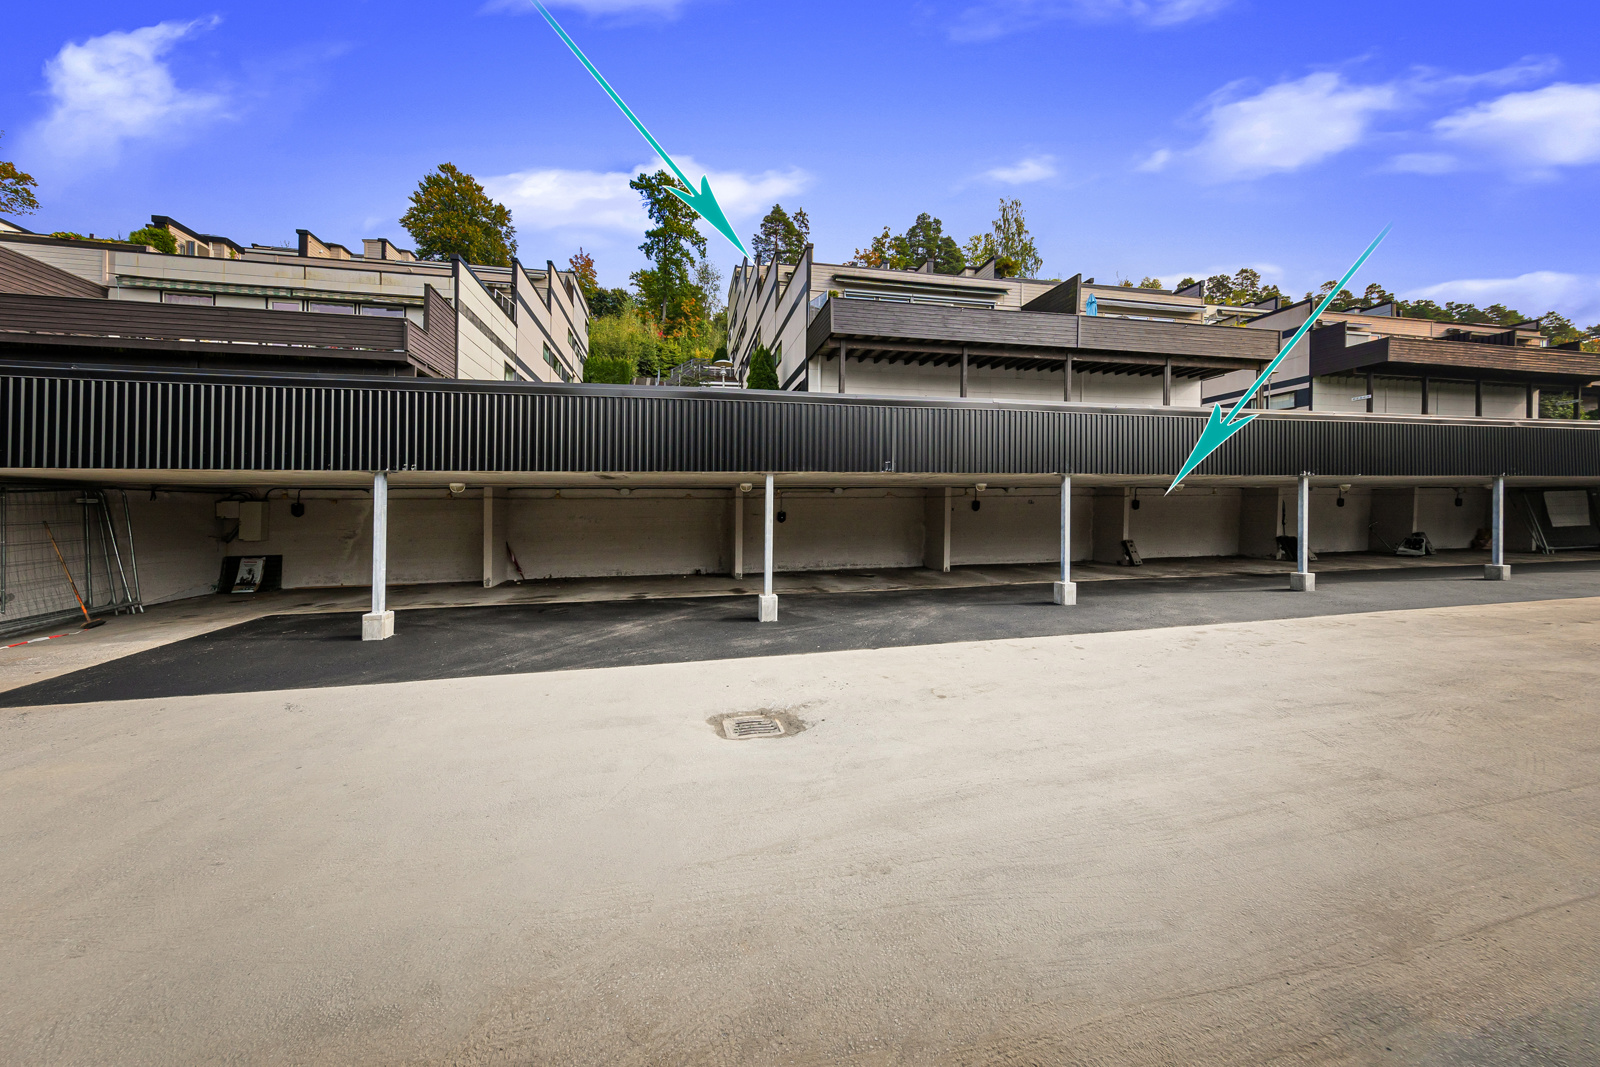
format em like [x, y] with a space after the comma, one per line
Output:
[581, 264]
[1008, 243]
[924, 240]
[156, 237]
[451, 215]
[669, 290]
[763, 372]
[609, 370]
[16, 190]
[782, 237]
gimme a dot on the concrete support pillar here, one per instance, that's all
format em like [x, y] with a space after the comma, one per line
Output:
[496, 513]
[963, 371]
[379, 622]
[767, 602]
[1302, 580]
[1166, 384]
[1066, 385]
[738, 531]
[944, 564]
[844, 357]
[1497, 570]
[1065, 592]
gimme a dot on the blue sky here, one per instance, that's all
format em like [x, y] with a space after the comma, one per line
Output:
[1162, 137]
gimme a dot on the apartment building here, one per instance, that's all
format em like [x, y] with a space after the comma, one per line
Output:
[1377, 361]
[841, 328]
[315, 306]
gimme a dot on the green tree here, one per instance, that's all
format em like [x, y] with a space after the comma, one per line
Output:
[925, 241]
[610, 302]
[1008, 242]
[1148, 282]
[451, 215]
[669, 290]
[16, 190]
[763, 372]
[782, 237]
[156, 237]
[1187, 281]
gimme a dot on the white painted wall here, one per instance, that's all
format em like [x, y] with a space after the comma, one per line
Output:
[1196, 522]
[989, 383]
[1020, 526]
[1397, 396]
[858, 528]
[600, 533]
[176, 542]
[1448, 526]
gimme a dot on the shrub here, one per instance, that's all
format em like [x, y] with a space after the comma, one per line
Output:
[763, 372]
[159, 239]
[609, 370]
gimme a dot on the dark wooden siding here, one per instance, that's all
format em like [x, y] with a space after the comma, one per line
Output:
[24, 274]
[433, 345]
[1467, 357]
[863, 321]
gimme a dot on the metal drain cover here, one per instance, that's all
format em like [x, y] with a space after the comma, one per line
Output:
[740, 727]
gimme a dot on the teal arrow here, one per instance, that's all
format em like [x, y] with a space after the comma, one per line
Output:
[703, 202]
[1219, 427]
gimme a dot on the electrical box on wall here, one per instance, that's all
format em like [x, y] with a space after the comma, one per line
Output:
[252, 520]
[227, 509]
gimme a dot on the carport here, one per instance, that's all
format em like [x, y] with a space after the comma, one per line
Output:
[866, 470]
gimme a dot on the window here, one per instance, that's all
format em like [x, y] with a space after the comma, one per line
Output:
[332, 309]
[572, 343]
[511, 373]
[200, 299]
[379, 309]
[284, 305]
[549, 356]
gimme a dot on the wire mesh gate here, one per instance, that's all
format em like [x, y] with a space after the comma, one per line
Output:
[57, 543]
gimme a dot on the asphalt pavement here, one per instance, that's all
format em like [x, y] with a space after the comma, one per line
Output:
[316, 650]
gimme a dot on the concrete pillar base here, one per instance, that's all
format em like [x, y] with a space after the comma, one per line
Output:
[767, 607]
[375, 626]
[1497, 572]
[1065, 593]
[1302, 582]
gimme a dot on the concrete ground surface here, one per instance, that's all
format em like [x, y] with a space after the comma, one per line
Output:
[164, 624]
[1348, 839]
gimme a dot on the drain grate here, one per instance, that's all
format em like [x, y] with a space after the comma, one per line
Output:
[742, 726]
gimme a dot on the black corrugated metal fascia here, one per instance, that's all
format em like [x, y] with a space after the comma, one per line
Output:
[212, 422]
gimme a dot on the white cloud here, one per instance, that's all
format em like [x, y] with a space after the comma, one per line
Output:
[1156, 161]
[1032, 169]
[997, 18]
[587, 201]
[1424, 163]
[1557, 126]
[1576, 296]
[1288, 126]
[114, 88]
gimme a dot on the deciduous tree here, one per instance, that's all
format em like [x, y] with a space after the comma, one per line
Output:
[16, 190]
[451, 215]
[1008, 242]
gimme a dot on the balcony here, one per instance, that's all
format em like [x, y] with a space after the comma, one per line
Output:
[244, 336]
